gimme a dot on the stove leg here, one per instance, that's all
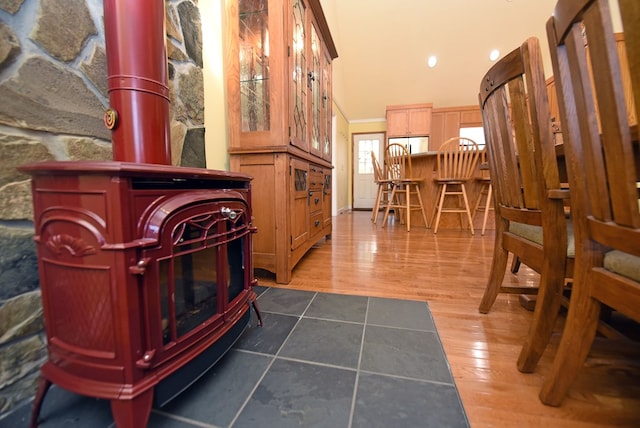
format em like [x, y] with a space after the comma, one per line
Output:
[253, 298]
[133, 413]
[43, 387]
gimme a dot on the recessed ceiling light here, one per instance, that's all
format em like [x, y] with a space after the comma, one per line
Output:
[494, 54]
[432, 61]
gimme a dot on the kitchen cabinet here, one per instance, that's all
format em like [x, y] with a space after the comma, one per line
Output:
[278, 60]
[446, 123]
[412, 120]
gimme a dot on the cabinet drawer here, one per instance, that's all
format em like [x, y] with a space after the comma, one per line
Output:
[315, 201]
[316, 177]
[316, 223]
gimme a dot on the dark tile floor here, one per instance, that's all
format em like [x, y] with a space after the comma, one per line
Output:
[320, 360]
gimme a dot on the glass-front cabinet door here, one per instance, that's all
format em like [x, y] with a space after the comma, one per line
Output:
[327, 107]
[299, 76]
[315, 75]
[278, 72]
[253, 35]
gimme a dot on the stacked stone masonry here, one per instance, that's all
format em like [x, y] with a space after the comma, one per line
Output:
[53, 89]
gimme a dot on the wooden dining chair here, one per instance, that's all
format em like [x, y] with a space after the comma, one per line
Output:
[384, 188]
[529, 202]
[484, 203]
[405, 188]
[603, 174]
[456, 162]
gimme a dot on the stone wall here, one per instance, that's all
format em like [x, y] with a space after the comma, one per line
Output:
[53, 93]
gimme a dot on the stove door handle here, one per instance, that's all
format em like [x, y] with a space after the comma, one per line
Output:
[229, 213]
[140, 267]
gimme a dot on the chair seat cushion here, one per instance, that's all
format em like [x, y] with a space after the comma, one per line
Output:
[622, 263]
[534, 234]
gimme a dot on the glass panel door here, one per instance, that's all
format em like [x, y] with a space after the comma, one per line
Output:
[235, 250]
[188, 281]
[326, 108]
[254, 65]
[314, 86]
[298, 114]
[364, 186]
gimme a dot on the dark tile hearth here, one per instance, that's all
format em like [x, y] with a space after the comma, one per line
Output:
[320, 360]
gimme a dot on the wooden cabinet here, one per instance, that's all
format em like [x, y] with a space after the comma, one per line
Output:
[446, 123]
[278, 64]
[470, 117]
[412, 120]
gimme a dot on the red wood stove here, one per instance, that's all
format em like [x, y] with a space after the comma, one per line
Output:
[145, 268]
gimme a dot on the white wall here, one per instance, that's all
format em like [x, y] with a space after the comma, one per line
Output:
[215, 104]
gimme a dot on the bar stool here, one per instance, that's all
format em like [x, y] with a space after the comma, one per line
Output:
[384, 188]
[456, 162]
[404, 187]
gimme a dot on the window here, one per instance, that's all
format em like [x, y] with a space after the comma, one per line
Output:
[365, 147]
[474, 133]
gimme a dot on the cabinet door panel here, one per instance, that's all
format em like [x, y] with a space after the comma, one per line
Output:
[326, 196]
[315, 75]
[411, 120]
[419, 122]
[397, 123]
[299, 77]
[327, 107]
[299, 203]
[437, 130]
[470, 117]
[253, 35]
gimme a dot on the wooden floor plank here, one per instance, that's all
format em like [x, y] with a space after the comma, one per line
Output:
[449, 271]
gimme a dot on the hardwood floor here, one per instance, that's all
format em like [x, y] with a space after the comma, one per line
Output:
[449, 270]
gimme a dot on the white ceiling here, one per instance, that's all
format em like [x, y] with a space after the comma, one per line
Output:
[383, 46]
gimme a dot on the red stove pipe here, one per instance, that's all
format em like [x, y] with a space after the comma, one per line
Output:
[137, 79]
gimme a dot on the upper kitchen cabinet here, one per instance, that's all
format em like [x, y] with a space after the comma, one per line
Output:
[409, 120]
[278, 64]
[446, 123]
